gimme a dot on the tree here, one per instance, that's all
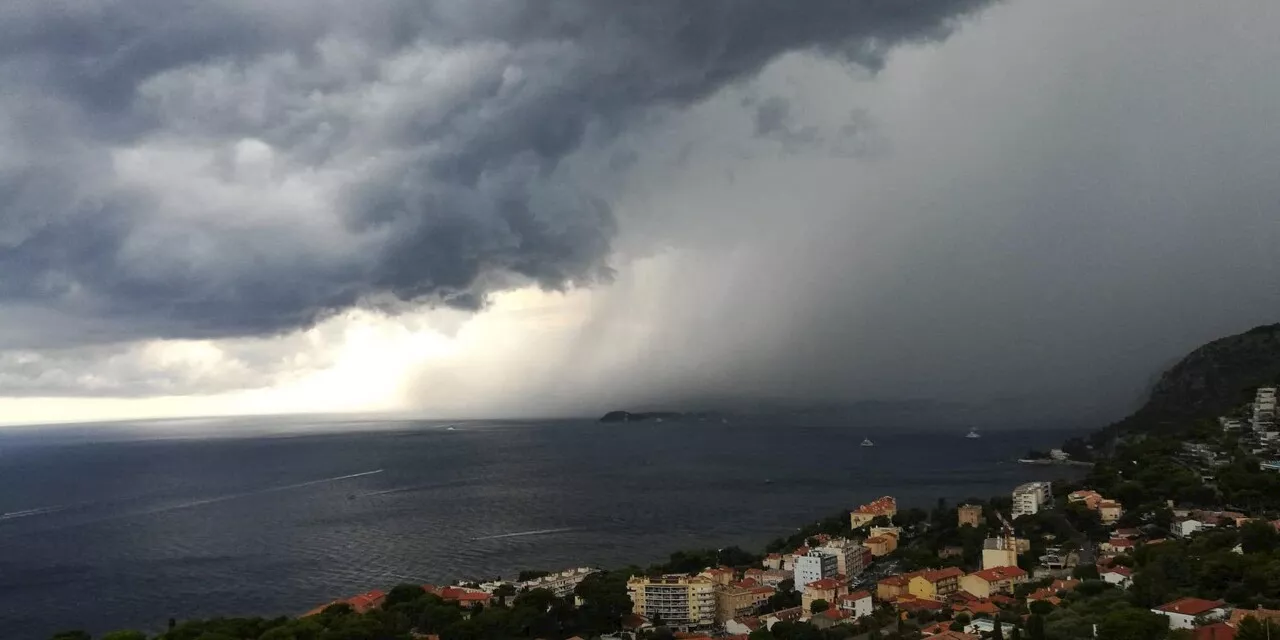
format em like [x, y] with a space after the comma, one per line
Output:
[1132, 624]
[1035, 627]
[71, 635]
[1085, 572]
[125, 635]
[818, 606]
[1016, 634]
[1252, 628]
[531, 574]
[1258, 536]
[997, 631]
[760, 634]
[402, 593]
[1041, 607]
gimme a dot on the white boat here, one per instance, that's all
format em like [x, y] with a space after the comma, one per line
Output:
[866, 442]
[450, 429]
[973, 433]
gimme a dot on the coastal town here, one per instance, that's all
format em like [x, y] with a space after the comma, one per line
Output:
[1167, 536]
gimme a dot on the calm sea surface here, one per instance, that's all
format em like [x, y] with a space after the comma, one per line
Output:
[126, 525]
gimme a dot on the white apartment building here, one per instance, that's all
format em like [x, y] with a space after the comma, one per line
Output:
[1032, 497]
[679, 601]
[814, 566]
[562, 583]
[849, 555]
[1264, 409]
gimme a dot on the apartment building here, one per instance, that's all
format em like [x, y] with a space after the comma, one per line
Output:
[813, 566]
[850, 556]
[681, 602]
[561, 583]
[734, 601]
[1031, 498]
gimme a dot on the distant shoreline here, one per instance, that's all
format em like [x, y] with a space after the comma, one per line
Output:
[1048, 461]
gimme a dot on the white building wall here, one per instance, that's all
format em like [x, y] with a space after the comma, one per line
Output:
[814, 566]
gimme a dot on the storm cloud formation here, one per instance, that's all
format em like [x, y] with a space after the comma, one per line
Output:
[1029, 203]
[182, 169]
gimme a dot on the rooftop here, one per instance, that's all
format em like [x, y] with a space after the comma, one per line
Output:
[1190, 606]
[995, 574]
[825, 584]
[879, 506]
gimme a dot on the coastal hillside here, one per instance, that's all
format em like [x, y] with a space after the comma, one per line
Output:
[1213, 380]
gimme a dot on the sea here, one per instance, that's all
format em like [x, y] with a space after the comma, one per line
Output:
[125, 525]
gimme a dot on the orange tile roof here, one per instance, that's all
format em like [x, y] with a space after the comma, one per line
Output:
[855, 596]
[1190, 606]
[938, 575]
[825, 584]
[1260, 614]
[1064, 585]
[879, 506]
[1216, 631]
[996, 574]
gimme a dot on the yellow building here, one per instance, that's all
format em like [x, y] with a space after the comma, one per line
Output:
[935, 585]
[1109, 511]
[969, 514]
[828, 589]
[881, 545]
[862, 516]
[888, 589]
[680, 601]
[988, 582]
[733, 601]
[998, 552]
[722, 576]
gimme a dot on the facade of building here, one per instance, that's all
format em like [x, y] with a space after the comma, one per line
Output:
[735, 601]
[1087, 497]
[1110, 511]
[813, 566]
[562, 583]
[863, 515]
[1031, 498]
[826, 589]
[969, 514]
[1264, 409]
[1182, 614]
[988, 582]
[881, 545]
[721, 576]
[858, 603]
[850, 556]
[681, 602]
[998, 552]
[935, 585]
[892, 588]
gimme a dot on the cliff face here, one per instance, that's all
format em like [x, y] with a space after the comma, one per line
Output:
[1212, 380]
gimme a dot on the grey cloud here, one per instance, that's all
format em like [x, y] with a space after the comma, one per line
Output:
[431, 136]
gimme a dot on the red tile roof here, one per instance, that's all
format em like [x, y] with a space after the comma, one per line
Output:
[1064, 585]
[879, 506]
[825, 584]
[939, 575]
[855, 596]
[750, 622]
[1124, 571]
[1120, 542]
[912, 603]
[1191, 606]
[996, 574]
[1215, 631]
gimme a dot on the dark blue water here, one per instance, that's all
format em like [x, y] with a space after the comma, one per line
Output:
[104, 528]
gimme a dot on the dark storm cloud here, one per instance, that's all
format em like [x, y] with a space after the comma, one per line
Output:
[437, 131]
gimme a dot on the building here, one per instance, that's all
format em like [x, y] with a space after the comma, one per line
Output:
[851, 557]
[1089, 498]
[1215, 631]
[1119, 576]
[562, 583]
[681, 602]
[882, 507]
[1182, 614]
[362, 603]
[999, 552]
[892, 587]
[813, 566]
[881, 545]
[988, 582]
[858, 604]
[1184, 528]
[969, 514]
[1110, 511]
[735, 601]
[1031, 498]
[827, 589]
[936, 584]
[773, 561]
[721, 576]
[1264, 409]
[1259, 614]
[464, 596]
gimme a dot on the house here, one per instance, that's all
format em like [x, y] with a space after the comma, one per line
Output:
[1064, 585]
[1119, 576]
[885, 507]
[858, 604]
[1127, 533]
[909, 603]
[1090, 499]
[1117, 545]
[881, 545]
[983, 627]
[1215, 631]
[1183, 613]
[721, 576]
[831, 618]
[742, 625]
[362, 603]
[1184, 528]
[1046, 594]
[953, 635]
[767, 577]
[892, 587]
[461, 595]
[738, 600]
[936, 584]
[1109, 511]
[828, 589]
[973, 606]
[793, 614]
[988, 582]
[773, 561]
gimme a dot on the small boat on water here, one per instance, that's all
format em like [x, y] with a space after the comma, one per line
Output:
[866, 442]
[450, 429]
[973, 433]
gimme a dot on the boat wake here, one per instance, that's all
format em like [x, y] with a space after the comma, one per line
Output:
[521, 534]
[26, 513]
[234, 496]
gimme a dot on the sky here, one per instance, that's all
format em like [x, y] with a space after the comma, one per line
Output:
[483, 208]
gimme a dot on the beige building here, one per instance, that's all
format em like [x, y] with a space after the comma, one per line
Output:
[1109, 511]
[734, 601]
[679, 601]
[850, 556]
[881, 545]
[988, 582]
[999, 552]
[969, 514]
[862, 516]
[827, 589]
[721, 576]
[935, 585]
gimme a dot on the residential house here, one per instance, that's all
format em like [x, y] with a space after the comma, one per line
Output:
[1090, 499]
[1184, 613]
[988, 582]
[969, 514]
[362, 603]
[1128, 533]
[1117, 545]
[936, 584]
[462, 595]
[858, 604]
[1215, 631]
[1259, 614]
[828, 589]
[948, 634]
[1064, 585]
[892, 587]
[773, 561]
[911, 604]
[1031, 498]
[830, 618]
[882, 507]
[999, 552]
[1109, 511]
[794, 614]
[1119, 576]
[1046, 594]
[735, 601]
[984, 627]
[682, 602]
[881, 545]
[743, 625]
[813, 566]
[1184, 528]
